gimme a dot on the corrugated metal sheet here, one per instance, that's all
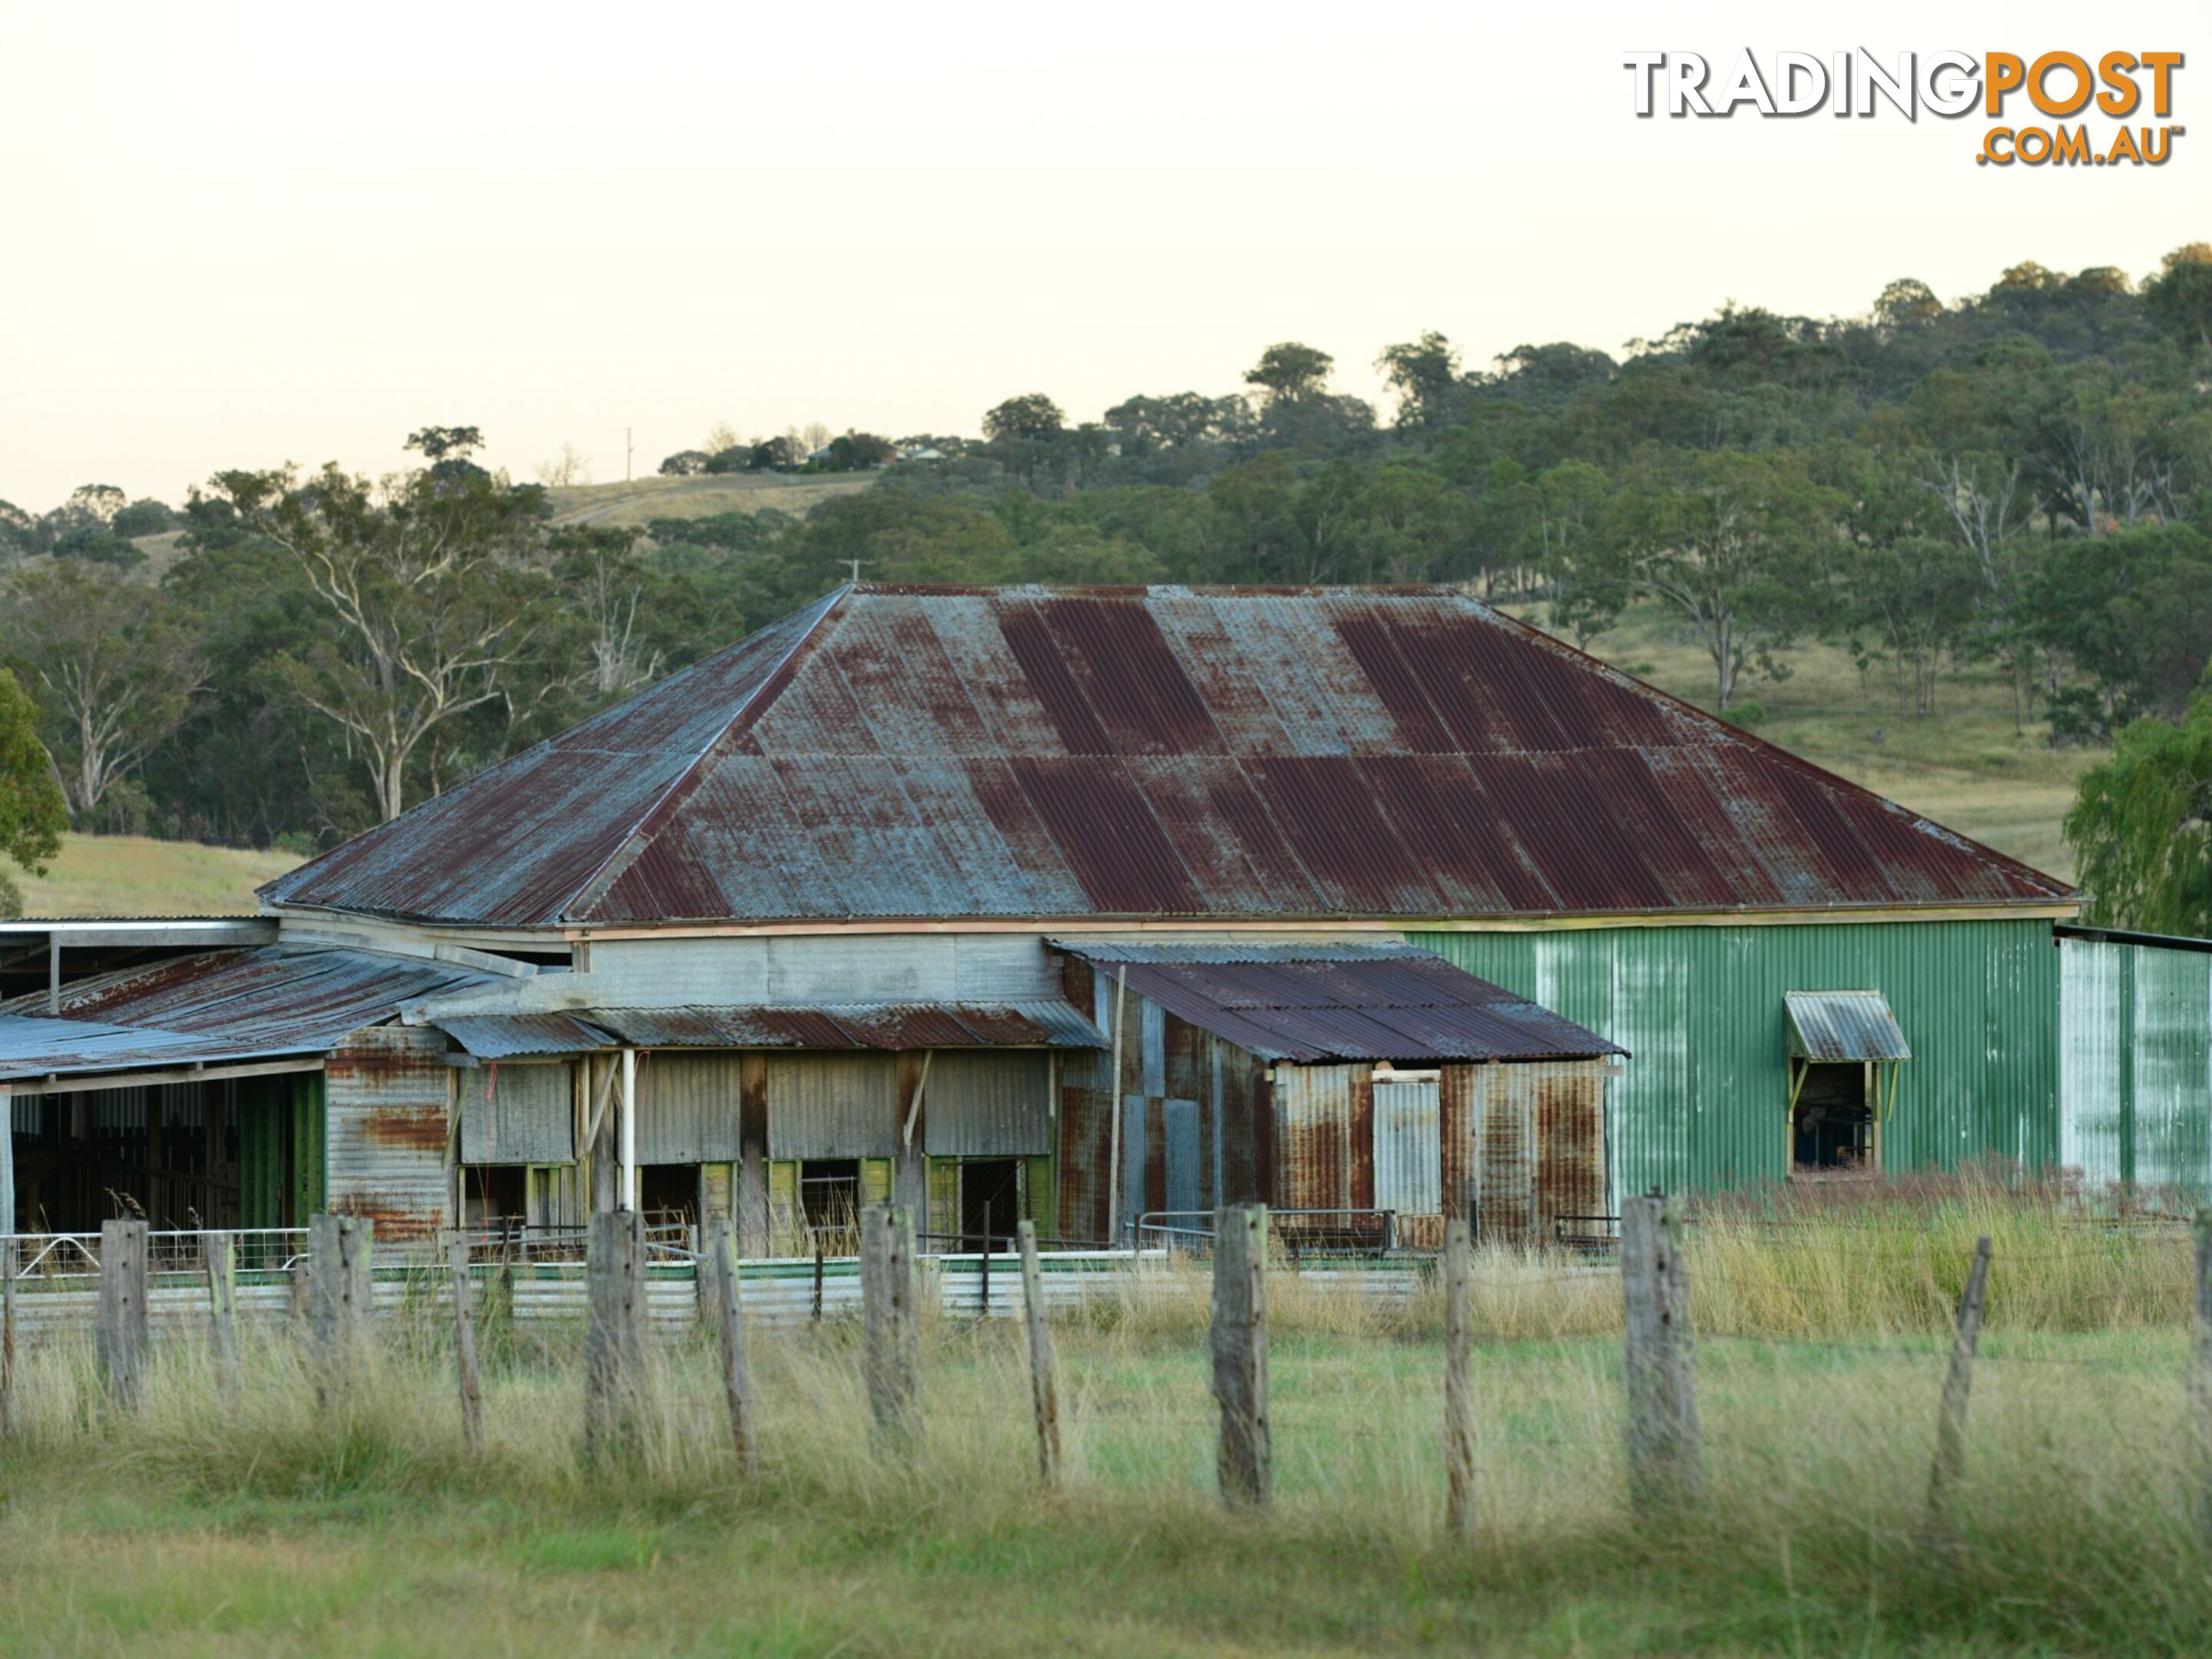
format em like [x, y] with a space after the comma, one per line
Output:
[1315, 1003]
[1705, 1104]
[499, 1036]
[1313, 1143]
[688, 1107]
[833, 1106]
[221, 1006]
[521, 1113]
[920, 752]
[386, 1106]
[987, 1105]
[2135, 1063]
[1408, 1148]
[886, 1026]
[1839, 1025]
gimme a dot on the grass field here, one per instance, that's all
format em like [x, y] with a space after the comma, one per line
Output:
[137, 876]
[646, 498]
[271, 1526]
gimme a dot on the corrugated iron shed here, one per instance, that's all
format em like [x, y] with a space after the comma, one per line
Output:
[503, 1036]
[220, 1007]
[909, 752]
[1844, 1025]
[874, 1025]
[1322, 1003]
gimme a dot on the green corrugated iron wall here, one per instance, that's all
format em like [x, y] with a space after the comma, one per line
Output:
[2136, 1090]
[279, 1149]
[1705, 1101]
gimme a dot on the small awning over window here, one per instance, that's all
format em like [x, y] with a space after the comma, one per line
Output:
[1845, 1025]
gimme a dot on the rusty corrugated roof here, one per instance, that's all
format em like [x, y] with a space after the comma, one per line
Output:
[1387, 753]
[218, 1007]
[498, 1036]
[1312, 1003]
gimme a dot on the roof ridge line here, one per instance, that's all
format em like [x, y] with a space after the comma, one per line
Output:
[690, 777]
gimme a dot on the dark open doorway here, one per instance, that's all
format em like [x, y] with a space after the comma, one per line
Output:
[1832, 1125]
[668, 1194]
[990, 1202]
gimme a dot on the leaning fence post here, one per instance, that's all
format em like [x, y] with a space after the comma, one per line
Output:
[464, 1341]
[1044, 1386]
[614, 1336]
[1240, 1352]
[890, 1335]
[1459, 1406]
[7, 1337]
[120, 1338]
[1666, 1456]
[2200, 1373]
[1950, 1465]
[737, 1381]
[341, 1293]
[220, 1251]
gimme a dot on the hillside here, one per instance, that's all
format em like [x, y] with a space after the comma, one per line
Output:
[642, 500]
[137, 876]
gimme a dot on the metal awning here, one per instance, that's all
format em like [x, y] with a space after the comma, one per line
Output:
[1314, 1003]
[889, 1025]
[1843, 1025]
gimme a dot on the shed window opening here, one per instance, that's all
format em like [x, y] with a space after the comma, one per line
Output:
[668, 1194]
[830, 1202]
[1831, 1126]
[494, 1198]
[1846, 1055]
[990, 1202]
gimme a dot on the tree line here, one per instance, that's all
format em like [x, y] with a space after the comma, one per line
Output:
[2017, 483]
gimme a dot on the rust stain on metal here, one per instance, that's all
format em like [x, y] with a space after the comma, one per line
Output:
[920, 752]
[1570, 1144]
[422, 1129]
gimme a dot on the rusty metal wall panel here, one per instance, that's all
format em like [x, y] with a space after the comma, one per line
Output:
[1313, 1165]
[690, 1109]
[1409, 1148]
[833, 1105]
[1084, 1129]
[1570, 1159]
[1185, 1186]
[388, 1100]
[1459, 1089]
[518, 1114]
[1506, 1144]
[979, 1104]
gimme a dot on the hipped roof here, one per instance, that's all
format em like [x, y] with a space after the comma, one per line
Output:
[1395, 754]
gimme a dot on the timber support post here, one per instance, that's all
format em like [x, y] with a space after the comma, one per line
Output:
[1459, 1408]
[891, 1334]
[614, 1337]
[736, 1380]
[1665, 1449]
[1044, 1384]
[1245, 1462]
[340, 1294]
[1950, 1466]
[120, 1339]
[219, 1250]
[7, 1338]
[464, 1341]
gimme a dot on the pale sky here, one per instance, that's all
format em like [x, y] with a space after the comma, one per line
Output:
[241, 233]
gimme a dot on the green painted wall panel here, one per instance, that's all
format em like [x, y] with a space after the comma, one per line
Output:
[1705, 1101]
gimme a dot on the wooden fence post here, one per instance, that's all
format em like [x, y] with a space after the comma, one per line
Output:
[614, 1337]
[1950, 1465]
[341, 1295]
[1246, 1462]
[2200, 1373]
[220, 1251]
[889, 1328]
[120, 1339]
[7, 1335]
[1459, 1406]
[464, 1340]
[1666, 1452]
[737, 1381]
[1044, 1385]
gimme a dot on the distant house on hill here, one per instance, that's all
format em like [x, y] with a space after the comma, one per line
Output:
[1092, 905]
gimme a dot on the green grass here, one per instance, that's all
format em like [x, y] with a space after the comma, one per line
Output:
[263, 1524]
[642, 500]
[138, 876]
[1965, 765]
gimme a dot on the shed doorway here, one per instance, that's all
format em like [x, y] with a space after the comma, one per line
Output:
[990, 1202]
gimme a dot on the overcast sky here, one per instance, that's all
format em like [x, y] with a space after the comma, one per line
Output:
[239, 234]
